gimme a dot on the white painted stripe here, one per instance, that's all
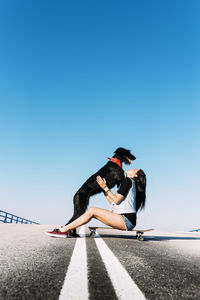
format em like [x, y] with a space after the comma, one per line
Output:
[75, 285]
[124, 286]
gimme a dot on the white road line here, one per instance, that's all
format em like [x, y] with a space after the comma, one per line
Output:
[124, 286]
[75, 285]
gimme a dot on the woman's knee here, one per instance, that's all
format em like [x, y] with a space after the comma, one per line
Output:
[92, 210]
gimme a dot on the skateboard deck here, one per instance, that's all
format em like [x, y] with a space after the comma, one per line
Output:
[139, 232]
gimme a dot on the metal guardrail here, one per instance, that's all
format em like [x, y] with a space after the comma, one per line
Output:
[6, 217]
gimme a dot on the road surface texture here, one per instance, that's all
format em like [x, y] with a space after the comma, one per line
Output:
[113, 265]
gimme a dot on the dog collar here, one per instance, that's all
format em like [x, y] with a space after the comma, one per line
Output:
[116, 160]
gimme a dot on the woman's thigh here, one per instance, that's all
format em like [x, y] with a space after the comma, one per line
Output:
[109, 218]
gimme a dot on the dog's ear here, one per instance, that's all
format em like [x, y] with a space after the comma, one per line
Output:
[119, 150]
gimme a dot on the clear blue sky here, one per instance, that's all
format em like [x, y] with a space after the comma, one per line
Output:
[81, 78]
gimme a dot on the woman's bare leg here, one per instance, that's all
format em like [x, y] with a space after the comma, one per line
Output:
[105, 216]
[83, 219]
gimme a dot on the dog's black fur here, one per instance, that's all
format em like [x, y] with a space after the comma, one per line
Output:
[113, 175]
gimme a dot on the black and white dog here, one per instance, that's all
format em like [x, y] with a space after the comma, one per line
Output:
[112, 172]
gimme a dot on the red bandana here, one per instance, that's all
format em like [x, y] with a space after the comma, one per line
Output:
[116, 160]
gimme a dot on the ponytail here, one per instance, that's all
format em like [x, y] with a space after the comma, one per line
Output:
[140, 182]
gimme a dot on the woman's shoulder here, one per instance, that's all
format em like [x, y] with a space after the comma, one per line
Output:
[125, 186]
[127, 182]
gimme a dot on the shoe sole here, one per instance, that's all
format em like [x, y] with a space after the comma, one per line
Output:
[56, 235]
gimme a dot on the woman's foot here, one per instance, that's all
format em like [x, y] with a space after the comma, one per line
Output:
[58, 233]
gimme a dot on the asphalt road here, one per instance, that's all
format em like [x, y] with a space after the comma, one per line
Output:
[35, 266]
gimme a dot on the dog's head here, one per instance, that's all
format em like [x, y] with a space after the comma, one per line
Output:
[124, 155]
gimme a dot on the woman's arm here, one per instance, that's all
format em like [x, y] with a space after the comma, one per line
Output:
[114, 198]
[109, 195]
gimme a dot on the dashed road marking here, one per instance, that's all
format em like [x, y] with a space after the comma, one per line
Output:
[124, 286]
[75, 285]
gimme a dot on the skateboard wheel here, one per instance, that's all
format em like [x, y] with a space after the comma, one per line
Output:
[92, 233]
[140, 238]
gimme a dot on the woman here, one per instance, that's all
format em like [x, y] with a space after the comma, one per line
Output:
[127, 201]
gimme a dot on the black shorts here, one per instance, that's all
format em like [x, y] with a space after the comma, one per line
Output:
[130, 220]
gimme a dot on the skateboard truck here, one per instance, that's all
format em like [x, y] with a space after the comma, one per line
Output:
[92, 231]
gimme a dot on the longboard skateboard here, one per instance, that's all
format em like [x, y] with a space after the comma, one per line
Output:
[139, 232]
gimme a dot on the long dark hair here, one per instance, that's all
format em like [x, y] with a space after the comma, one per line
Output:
[140, 182]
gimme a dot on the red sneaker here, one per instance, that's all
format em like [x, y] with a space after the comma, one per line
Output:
[58, 233]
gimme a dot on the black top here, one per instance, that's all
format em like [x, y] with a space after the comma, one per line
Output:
[125, 186]
[123, 190]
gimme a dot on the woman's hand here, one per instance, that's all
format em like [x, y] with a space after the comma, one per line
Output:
[101, 182]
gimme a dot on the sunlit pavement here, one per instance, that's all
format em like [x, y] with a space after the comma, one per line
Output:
[166, 265]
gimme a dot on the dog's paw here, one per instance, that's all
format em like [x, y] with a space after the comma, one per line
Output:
[72, 233]
[76, 235]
